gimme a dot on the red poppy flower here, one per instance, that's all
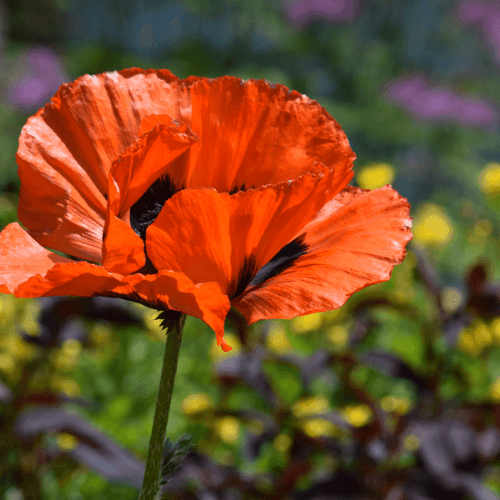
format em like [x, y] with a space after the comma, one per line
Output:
[192, 195]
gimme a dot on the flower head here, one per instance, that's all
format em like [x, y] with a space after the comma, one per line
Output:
[194, 195]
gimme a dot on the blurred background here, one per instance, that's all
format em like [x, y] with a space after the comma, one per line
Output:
[396, 394]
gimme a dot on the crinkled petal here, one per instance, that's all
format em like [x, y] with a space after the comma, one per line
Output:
[253, 133]
[67, 148]
[355, 241]
[176, 291]
[225, 238]
[145, 160]
[21, 257]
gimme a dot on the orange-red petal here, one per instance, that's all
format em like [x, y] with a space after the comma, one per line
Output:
[66, 150]
[21, 257]
[176, 291]
[253, 133]
[74, 278]
[354, 241]
[145, 160]
[123, 249]
[214, 236]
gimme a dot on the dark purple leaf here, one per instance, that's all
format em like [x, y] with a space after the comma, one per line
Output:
[95, 450]
[488, 443]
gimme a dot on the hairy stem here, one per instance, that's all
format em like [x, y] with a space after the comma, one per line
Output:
[151, 482]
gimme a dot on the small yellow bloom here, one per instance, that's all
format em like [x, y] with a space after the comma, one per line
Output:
[66, 442]
[482, 334]
[7, 363]
[316, 427]
[466, 343]
[65, 385]
[282, 443]
[411, 442]
[17, 347]
[228, 429]
[277, 340]
[338, 336]
[432, 226]
[303, 324]
[397, 405]
[196, 403]
[29, 321]
[375, 175]
[451, 299]
[67, 356]
[489, 179]
[310, 406]
[357, 415]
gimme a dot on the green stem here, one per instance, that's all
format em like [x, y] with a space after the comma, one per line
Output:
[151, 482]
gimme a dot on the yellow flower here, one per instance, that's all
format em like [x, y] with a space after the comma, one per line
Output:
[432, 226]
[307, 323]
[489, 179]
[228, 429]
[316, 427]
[17, 347]
[29, 321]
[282, 443]
[411, 442]
[482, 334]
[196, 403]
[357, 415]
[67, 356]
[7, 363]
[277, 340]
[451, 299]
[310, 406]
[66, 442]
[375, 175]
[495, 390]
[397, 405]
[338, 336]
[65, 385]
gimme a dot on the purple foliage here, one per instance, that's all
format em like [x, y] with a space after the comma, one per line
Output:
[440, 104]
[303, 12]
[41, 75]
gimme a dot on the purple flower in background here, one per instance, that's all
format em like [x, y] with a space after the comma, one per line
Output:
[303, 12]
[37, 76]
[487, 16]
[440, 104]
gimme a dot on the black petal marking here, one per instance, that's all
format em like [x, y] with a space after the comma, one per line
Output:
[247, 272]
[281, 261]
[145, 210]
